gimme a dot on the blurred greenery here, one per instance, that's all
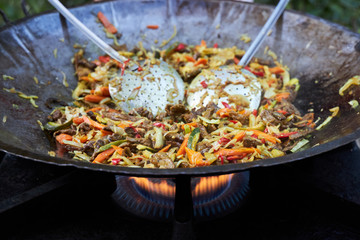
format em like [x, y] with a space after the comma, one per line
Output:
[13, 9]
[344, 12]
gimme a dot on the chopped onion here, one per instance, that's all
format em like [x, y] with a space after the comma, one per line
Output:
[212, 121]
[82, 156]
[352, 81]
[354, 103]
[159, 141]
[72, 143]
[134, 93]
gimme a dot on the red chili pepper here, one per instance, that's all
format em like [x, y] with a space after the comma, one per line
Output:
[226, 105]
[236, 157]
[263, 140]
[282, 111]
[216, 45]
[157, 124]
[136, 131]
[224, 140]
[123, 66]
[233, 121]
[222, 159]
[266, 130]
[254, 136]
[255, 112]
[115, 161]
[256, 73]
[180, 47]
[104, 59]
[204, 84]
[285, 135]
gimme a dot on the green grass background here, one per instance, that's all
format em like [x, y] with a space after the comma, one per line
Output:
[344, 12]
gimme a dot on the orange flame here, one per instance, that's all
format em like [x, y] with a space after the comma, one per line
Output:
[210, 184]
[205, 185]
[162, 188]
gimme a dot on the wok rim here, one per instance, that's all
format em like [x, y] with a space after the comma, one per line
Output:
[197, 171]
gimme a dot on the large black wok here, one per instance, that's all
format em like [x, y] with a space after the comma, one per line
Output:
[321, 54]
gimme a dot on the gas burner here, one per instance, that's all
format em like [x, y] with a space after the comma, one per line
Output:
[154, 198]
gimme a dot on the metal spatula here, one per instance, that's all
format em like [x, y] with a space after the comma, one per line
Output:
[153, 87]
[233, 83]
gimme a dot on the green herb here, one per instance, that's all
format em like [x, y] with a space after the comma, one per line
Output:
[193, 138]
[143, 147]
[299, 145]
[6, 77]
[108, 146]
[52, 126]
[36, 80]
[40, 124]
[65, 83]
[354, 103]
[55, 52]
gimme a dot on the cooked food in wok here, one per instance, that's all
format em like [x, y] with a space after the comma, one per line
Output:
[96, 129]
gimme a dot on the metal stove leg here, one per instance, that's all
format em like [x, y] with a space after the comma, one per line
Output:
[183, 210]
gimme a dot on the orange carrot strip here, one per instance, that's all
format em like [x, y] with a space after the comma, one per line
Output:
[94, 98]
[276, 70]
[105, 133]
[265, 136]
[165, 149]
[189, 58]
[236, 60]
[78, 120]
[118, 149]
[192, 124]
[239, 136]
[86, 78]
[234, 152]
[103, 156]
[181, 150]
[83, 139]
[202, 61]
[152, 26]
[95, 109]
[109, 27]
[196, 158]
[123, 125]
[105, 91]
[61, 137]
[203, 43]
[271, 81]
[93, 123]
[281, 96]
[224, 112]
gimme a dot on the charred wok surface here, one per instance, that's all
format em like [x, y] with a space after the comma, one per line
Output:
[305, 47]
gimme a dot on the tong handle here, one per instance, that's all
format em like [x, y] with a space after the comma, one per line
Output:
[265, 29]
[79, 25]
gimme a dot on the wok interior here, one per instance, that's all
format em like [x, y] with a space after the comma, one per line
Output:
[319, 53]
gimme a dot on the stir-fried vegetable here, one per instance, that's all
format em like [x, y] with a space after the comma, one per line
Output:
[193, 139]
[96, 130]
[108, 26]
